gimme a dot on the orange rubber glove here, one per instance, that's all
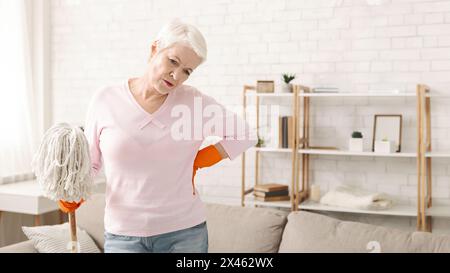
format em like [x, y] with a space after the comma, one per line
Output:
[69, 206]
[206, 157]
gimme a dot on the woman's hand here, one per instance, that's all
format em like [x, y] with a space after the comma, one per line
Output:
[69, 206]
[207, 157]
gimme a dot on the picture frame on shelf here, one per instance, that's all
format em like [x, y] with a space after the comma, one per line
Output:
[387, 129]
[265, 86]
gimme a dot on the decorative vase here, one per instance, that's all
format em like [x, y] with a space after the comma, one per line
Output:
[384, 147]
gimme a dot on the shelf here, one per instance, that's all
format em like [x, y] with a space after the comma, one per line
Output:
[338, 152]
[342, 94]
[438, 211]
[396, 210]
[270, 94]
[347, 94]
[250, 200]
[434, 95]
[272, 150]
[438, 154]
[349, 153]
[350, 94]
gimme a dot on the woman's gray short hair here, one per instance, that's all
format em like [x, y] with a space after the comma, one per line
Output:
[178, 31]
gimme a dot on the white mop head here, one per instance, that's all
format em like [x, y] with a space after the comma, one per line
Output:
[62, 164]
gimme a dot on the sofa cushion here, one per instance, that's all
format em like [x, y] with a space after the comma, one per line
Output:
[90, 217]
[22, 247]
[238, 229]
[56, 239]
[311, 232]
[428, 242]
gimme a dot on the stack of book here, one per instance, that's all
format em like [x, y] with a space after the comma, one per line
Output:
[271, 192]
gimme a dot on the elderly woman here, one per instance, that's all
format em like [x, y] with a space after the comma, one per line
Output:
[133, 130]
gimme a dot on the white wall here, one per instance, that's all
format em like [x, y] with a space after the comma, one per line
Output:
[347, 43]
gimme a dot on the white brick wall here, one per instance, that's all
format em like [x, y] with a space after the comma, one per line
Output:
[348, 43]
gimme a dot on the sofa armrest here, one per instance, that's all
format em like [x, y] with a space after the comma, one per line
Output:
[22, 247]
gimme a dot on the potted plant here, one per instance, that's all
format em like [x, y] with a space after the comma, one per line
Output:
[355, 143]
[260, 142]
[287, 86]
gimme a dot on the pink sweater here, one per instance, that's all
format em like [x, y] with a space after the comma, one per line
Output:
[148, 170]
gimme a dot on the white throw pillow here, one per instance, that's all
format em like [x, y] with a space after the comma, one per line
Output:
[56, 239]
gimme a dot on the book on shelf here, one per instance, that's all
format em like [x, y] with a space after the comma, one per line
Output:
[273, 198]
[286, 132]
[271, 187]
[273, 193]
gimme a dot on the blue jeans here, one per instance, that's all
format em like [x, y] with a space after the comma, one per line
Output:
[194, 239]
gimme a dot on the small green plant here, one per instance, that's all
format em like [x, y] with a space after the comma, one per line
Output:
[260, 142]
[357, 134]
[287, 78]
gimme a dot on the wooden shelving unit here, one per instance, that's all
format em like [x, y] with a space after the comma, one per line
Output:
[301, 153]
[246, 197]
[423, 156]
[426, 208]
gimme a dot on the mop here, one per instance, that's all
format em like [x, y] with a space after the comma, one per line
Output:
[63, 169]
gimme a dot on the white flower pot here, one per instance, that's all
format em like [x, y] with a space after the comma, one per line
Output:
[355, 144]
[286, 88]
[384, 147]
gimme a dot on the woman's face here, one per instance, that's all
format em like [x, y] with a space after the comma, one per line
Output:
[171, 67]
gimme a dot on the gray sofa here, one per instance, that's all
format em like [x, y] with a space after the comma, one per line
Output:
[262, 230]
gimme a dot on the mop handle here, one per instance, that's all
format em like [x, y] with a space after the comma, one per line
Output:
[73, 231]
